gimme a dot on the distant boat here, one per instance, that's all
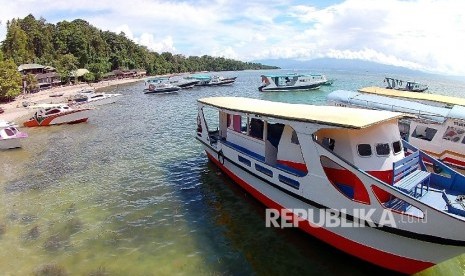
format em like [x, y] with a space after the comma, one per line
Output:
[183, 83]
[161, 88]
[215, 80]
[292, 82]
[10, 136]
[405, 85]
[95, 99]
[56, 95]
[57, 115]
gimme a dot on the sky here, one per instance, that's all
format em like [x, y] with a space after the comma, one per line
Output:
[424, 35]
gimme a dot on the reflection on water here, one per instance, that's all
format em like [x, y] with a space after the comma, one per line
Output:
[131, 193]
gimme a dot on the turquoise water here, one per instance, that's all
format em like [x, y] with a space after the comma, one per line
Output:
[131, 193]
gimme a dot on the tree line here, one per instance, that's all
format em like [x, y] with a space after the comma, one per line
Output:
[67, 46]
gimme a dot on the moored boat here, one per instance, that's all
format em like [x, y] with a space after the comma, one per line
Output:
[292, 82]
[437, 129]
[57, 115]
[10, 136]
[215, 80]
[160, 85]
[161, 88]
[182, 82]
[346, 161]
[402, 85]
[95, 99]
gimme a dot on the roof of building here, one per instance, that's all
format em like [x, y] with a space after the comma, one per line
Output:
[414, 95]
[30, 66]
[79, 72]
[326, 115]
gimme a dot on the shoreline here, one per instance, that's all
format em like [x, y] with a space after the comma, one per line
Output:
[15, 112]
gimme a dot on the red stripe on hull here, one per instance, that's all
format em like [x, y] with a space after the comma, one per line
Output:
[369, 254]
[454, 162]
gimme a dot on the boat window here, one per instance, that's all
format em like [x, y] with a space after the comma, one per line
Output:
[364, 150]
[244, 123]
[294, 138]
[396, 147]
[329, 143]
[383, 149]
[453, 134]
[424, 133]
[53, 111]
[9, 132]
[256, 128]
[211, 116]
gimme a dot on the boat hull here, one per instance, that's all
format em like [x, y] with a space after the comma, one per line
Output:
[100, 102]
[289, 88]
[386, 249]
[11, 143]
[162, 91]
[73, 117]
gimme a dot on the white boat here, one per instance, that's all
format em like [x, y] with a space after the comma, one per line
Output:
[439, 125]
[292, 82]
[58, 114]
[10, 136]
[160, 85]
[182, 82]
[307, 162]
[95, 99]
[209, 80]
[402, 85]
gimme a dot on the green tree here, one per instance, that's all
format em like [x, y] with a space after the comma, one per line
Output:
[31, 83]
[88, 77]
[65, 64]
[10, 79]
[15, 44]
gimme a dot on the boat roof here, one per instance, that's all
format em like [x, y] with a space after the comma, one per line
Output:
[200, 76]
[364, 100]
[326, 115]
[414, 95]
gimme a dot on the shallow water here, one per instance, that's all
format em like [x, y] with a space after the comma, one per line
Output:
[132, 193]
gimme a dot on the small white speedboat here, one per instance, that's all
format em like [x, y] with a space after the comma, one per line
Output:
[10, 136]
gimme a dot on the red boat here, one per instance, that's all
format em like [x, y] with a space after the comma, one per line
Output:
[57, 115]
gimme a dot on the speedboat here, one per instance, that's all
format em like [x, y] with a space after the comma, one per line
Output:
[401, 85]
[183, 83]
[438, 128]
[343, 175]
[208, 80]
[292, 82]
[95, 99]
[161, 88]
[10, 136]
[57, 115]
[220, 80]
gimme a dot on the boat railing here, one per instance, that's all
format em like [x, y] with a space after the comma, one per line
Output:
[443, 174]
[390, 107]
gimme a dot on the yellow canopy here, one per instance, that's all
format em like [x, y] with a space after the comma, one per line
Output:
[326, 115]
[413, 95]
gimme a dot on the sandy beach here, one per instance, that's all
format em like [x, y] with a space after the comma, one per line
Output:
[14, 110]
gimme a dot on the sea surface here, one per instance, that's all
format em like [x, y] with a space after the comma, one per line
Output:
[131, 192]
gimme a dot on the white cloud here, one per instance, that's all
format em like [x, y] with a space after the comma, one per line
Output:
[419, 34]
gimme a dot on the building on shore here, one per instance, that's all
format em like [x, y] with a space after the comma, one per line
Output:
[46, 76]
